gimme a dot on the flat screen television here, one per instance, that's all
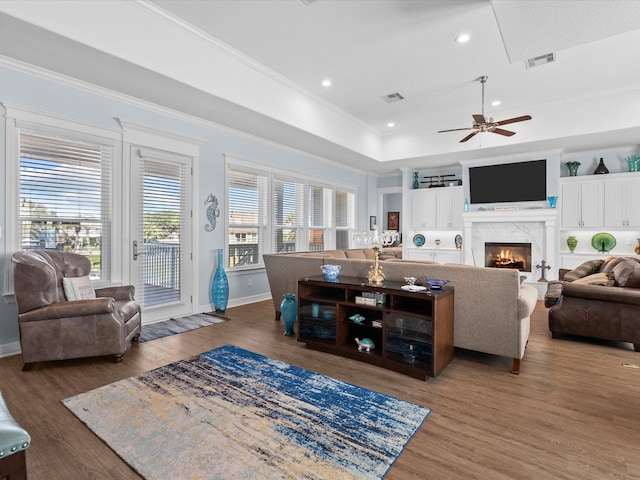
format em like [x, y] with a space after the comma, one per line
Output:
[509, 182]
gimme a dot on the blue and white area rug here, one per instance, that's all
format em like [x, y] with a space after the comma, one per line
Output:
[178, 325]
[233, 414]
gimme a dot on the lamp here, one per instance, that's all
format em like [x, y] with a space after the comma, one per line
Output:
[375, 275]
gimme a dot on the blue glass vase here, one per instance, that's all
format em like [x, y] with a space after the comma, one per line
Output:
[288, 313]
[416, 182]
[220, 286]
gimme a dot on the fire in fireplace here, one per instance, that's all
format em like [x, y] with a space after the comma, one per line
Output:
[508, 255]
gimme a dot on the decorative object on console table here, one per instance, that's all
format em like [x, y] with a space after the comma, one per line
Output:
[543, 266]
[572, 242]
[375, 275]
[220, 285]
[601, 169]
[393, 221]
[603, 242]
[637, 249]
[573, 168]
[416, 181]
[289, 309]
[330, 272]
[553, 201]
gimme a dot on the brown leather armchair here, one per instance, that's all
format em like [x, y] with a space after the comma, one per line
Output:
[52, 328]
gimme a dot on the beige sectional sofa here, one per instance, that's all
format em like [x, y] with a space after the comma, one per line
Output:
[492, 308]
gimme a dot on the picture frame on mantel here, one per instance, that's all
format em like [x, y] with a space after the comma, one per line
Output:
[393, 221]
[372, 222]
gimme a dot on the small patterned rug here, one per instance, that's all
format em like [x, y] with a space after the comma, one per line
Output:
[179, 325]
[234, 414]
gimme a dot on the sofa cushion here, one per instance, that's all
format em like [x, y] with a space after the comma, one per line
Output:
[355, 253]
[611, 263]
[602, 278]
[78, 288]
[334, 254]
[627, 274]
[583, 270]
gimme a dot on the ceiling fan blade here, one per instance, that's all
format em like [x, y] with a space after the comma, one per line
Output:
[469, 136]
[501, 131]
[479, 118]
[514, 120]
[455, 130]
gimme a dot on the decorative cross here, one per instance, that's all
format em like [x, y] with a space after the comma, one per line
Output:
[543, 265]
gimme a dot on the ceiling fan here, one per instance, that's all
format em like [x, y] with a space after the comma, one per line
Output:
[481, 124]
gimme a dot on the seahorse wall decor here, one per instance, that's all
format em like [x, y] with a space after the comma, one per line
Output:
[213, 212]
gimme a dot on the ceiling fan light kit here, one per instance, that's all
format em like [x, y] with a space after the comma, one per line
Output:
[481, 124]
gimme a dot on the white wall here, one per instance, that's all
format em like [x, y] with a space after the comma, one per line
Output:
[53, 95]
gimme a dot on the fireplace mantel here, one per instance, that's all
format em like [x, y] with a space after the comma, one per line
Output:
[514, 216]
[541, 222]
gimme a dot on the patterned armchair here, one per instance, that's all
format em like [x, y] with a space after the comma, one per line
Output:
[53, 327]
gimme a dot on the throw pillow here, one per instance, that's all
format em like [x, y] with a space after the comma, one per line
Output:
[605, 279]
[583, 270]
[78, 288]
[611, 262]
[627, 274]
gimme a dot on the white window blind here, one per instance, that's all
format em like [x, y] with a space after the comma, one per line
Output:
[320, 217]
[288, 216]
[65, 197]
[163, 204]
[345, 218]
[247, 217]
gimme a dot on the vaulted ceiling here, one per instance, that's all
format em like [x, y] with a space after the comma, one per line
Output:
[258, 66]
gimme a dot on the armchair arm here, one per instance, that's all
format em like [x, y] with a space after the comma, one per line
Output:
[123, 292]
[553, 294]
[75, 308]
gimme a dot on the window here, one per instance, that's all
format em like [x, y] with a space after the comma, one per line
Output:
[345, 218]
[65, 197]
[247, 218]
[320, 217]
[61, 190]
[301, 216]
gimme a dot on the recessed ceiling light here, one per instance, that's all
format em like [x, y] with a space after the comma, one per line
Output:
[326, 83]
[495, 103]
[391, 124]
[463, 38]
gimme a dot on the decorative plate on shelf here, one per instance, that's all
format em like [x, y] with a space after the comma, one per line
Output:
[603, 242]
[418, 240]
[458, 241]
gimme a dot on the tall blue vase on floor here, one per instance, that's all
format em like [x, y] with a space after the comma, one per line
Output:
[288, 313]
[220, 285]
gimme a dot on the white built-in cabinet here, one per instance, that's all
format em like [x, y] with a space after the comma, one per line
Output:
[601, 201]
[581, 203]
[622, 202]
[435, 255]
[437, 208]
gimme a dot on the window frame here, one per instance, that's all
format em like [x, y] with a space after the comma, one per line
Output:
[20, 120]
[273, 175]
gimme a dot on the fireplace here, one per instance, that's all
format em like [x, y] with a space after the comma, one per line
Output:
[508, 255]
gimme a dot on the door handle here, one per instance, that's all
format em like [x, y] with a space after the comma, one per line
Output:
[135, 250]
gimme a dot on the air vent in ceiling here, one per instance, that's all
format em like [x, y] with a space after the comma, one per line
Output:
[307, 2]
[392, 97]
[541, 60]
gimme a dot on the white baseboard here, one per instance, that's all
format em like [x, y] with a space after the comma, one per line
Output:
[9, 349]
[236, 302]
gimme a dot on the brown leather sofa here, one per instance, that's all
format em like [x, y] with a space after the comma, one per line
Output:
[53, 328]
[599, 299]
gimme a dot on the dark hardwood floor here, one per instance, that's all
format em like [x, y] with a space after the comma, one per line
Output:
[572, 413]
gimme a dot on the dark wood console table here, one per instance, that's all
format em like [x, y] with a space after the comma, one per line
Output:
[412, 331]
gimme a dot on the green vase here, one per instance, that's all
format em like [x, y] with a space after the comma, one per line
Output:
[572, 242]
[573, 168]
